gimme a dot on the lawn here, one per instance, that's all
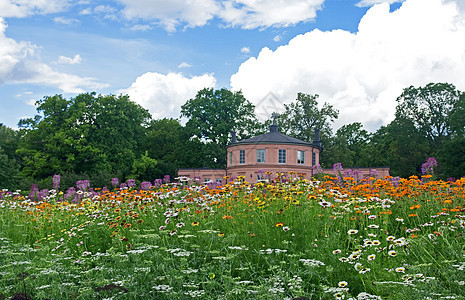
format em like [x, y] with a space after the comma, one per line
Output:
[384, 238]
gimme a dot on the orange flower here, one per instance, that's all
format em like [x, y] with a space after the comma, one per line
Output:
[227, 217]
[127, 225]
[280, 224]
[195, 223]
[413, 215]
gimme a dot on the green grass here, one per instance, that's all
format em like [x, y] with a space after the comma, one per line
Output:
[229, 243]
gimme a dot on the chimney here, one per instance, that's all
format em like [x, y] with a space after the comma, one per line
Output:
[317, 141]
[233, 137]
[273, 128]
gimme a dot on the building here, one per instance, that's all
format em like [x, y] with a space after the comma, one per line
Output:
[270, 152]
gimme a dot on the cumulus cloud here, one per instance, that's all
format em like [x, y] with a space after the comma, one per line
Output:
[140, 27]
[184, 65]
[19, 64]
[66, 21]
[363, 73]
[163, 95]
[365, 3]
[171, 13]
[248, 14]
[69, 60]
[24, 8]
[245, 50]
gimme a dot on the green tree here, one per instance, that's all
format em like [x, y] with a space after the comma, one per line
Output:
[451, 156]
[85, 134]
[213, 114]
[302, 117]
[8, 171]
[429, 108]
[168, 141]
[9, 140]
[348, 145]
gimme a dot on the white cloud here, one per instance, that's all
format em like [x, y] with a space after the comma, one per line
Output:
[245, 50]
[277, 38]
[363, 73]
[19, 64]
[66, 21]
[171, 13]
[248, 14]
[24, 8]
[140, 27]
[163, 95]
[86, 11]
[365, 3]
[184, 65]
[64, 60]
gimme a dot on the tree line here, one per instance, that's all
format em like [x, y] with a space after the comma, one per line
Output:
[99, 137]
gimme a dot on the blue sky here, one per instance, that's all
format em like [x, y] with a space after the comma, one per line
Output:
[357, 55]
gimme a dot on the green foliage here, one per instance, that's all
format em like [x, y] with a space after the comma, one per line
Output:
[144, 168]
[213, 114]
[348, 144]
[82, 135]
[430, 109]
[8, 171]
[302, 117]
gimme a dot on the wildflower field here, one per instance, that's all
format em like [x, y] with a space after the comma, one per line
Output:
[282, 239]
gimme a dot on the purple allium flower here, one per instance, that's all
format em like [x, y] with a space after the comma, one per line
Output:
[131, 183]
[337, 167]
[114, 182]
[428, 166]
[42, 195]
[70, 193]
[373, 173]
[167, 179]
[317, 169]
[56, 182]
[145, 185]
[83, 185]
[158, 182]
[34, 191]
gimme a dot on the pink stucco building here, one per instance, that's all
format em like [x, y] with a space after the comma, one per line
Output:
[270, 152]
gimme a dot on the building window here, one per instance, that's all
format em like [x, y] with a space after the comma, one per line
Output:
[242, 156]
[260, 155]
[313, 158]
[230, 158]
[282, 156]
[301, 157]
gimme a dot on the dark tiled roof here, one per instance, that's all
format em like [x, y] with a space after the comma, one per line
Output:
[273, 137]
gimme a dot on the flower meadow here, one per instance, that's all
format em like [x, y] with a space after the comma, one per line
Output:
[284, 238]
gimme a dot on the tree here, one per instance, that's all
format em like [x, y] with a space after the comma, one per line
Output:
[213, 114]
[170, 142]
[451, 156]
[302, 117]
[348, 144]
[85, 134]
[9, 140]
[429, 108]
[8, 171]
